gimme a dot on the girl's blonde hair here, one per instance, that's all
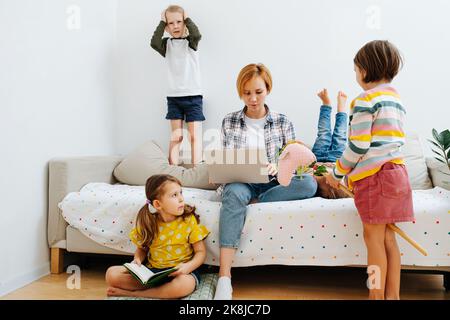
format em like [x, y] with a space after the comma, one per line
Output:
[249, 72]
[147, 222]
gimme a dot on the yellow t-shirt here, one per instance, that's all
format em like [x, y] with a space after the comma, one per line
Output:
[173, 245]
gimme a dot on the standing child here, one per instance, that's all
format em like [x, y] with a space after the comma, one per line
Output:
[184, 99]
[167, 234]
[374, 165]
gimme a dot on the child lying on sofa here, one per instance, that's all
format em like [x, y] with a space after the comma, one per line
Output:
[327, 148]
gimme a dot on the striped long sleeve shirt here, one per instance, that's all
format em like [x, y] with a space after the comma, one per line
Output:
[375, 134]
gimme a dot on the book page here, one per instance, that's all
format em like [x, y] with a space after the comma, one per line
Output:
[141, 271]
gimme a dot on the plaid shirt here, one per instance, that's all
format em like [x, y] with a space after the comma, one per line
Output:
[278, 130]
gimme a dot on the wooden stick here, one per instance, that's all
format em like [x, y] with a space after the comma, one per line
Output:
[407, 238]
[391, 226]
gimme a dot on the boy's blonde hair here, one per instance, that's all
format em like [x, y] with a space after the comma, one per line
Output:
[175, 8]
[249, 72]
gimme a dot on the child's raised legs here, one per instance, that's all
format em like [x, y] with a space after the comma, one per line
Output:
[330, 145]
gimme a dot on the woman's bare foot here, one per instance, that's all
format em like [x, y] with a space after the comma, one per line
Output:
[116, 292]
[341, 102]
[323, 95]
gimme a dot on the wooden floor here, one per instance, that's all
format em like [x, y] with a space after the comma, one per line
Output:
[263, 282]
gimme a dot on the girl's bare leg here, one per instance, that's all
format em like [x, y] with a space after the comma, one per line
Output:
[179, 287]
[392, 291]
[196, 140]
[374, 235]
[176, 137]
[119, 277]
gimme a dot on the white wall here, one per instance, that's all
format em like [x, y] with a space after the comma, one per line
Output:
[307, 45]
[55, 100]
[100, 89]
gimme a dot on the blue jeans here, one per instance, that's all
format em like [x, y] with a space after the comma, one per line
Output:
[329, 147]
[236, 197]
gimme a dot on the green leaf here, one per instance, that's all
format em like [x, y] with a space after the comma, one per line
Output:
[434, 143]
[440, 160]
[312, 164]
[436, 136]
[445, 138]
[438, 153]
[320, 170]
[448, 154]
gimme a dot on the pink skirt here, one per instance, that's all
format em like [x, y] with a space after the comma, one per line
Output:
[385, 197]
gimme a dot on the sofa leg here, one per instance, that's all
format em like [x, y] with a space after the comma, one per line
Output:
[56, 260]
[447, 281]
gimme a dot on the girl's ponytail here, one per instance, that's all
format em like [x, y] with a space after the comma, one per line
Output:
[146, 227]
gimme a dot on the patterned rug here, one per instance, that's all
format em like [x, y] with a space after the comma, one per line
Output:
[205, 290]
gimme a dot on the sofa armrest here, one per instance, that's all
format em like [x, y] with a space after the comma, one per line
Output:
[69, 175]
[439, 173]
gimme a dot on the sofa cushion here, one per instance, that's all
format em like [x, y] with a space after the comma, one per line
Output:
[149, 159]
[415, 163]
[439, 173]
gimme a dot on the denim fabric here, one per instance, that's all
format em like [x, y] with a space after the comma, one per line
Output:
[328, 146]
[236, 197]
[188, 108]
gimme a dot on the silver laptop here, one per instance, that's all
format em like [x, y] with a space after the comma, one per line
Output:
[237, 165]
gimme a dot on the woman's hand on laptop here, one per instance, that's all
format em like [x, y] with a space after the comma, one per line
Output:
[272, 169]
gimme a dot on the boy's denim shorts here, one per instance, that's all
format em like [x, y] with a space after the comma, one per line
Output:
[188, 108]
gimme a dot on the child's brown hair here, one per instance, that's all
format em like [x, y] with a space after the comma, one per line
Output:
[147, 222]
[380, 60]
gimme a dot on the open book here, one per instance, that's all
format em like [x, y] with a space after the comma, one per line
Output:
[145, 276]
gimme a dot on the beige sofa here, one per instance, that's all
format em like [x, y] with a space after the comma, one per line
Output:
[70, 174]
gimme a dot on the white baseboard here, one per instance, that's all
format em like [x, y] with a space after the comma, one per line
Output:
[24, 279]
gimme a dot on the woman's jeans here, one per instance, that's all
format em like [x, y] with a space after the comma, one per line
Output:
[329, 147]
[236, 197]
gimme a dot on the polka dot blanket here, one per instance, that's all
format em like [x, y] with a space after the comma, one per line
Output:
[314, 231]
